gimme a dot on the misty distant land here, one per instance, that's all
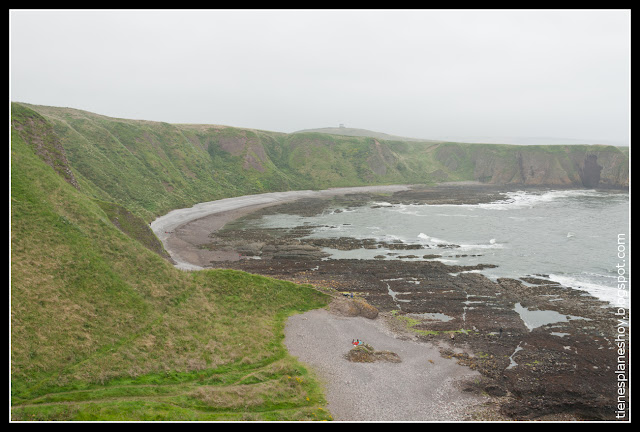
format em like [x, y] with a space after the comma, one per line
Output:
[349, 131]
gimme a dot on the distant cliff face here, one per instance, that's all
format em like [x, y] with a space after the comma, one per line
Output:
[242, 143]
[590, 171]
[566, 166]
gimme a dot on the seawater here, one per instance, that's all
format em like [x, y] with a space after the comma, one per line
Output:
[567, 236]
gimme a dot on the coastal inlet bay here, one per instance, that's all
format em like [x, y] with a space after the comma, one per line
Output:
[519, 285]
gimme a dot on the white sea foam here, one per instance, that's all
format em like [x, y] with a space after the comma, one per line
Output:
[408, 209]
[433, 240]
[466, 247]
[458, 215]
[603, 292]
[525, 199]
[446, 261]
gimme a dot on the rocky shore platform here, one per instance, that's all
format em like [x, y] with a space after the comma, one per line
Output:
[562, 368]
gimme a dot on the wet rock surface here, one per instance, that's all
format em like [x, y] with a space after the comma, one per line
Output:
[560, 366]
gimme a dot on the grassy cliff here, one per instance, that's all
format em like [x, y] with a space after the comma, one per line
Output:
[104, 328]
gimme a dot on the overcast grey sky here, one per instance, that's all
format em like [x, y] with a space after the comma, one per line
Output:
[416, 73]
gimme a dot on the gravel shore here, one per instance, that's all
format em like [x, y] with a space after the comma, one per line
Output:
[184, 231]
[422, 387]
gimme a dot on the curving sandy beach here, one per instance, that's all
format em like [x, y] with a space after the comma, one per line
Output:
[183, 231]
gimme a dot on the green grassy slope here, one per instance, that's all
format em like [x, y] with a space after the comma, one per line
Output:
[104, 328]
